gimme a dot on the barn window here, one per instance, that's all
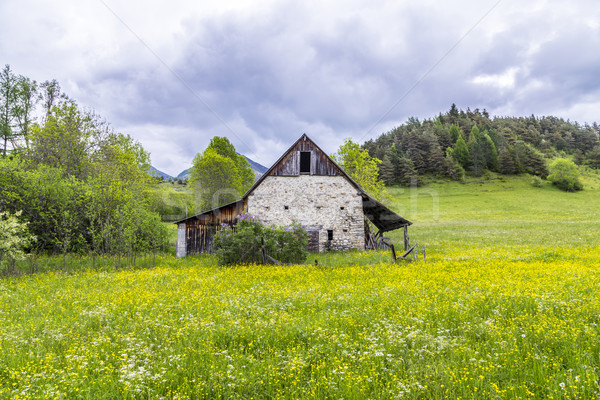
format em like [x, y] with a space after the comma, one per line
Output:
[341, 208]
[330, 234]
[305, 162]
[286, 207]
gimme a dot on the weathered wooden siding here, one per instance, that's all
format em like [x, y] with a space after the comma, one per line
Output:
[320, 163]
[313, 241]
[201, 230]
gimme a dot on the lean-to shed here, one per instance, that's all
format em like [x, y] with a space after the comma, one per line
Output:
[307, 186]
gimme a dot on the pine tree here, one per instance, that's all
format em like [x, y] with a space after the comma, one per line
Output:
[506, 163]
[491, 154]
[387, 170]
[455, 132]
[530, 160]
[477, 153]
[407, 174]
[461, 152]
[436, 160]
[594, 157]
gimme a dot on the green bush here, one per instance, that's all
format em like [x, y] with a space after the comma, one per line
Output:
[14, 239]
[537, 182]
[243, 243]
[565, 175]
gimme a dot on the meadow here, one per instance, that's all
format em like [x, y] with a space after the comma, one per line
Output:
[505, 306]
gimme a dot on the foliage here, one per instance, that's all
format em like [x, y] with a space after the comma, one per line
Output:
[69, 139]
[82, 187]
[23, 110]
[243, 243]
[482, 152]
[8, 96]
[565, 175]
[361, 167]
[509, 145]
[594, 157]
[407, 174]
[536, 181]
[506, 162]
[15, 238]
[387, 171]
[530, 160]
[104, 214]
[461, 152]
[455, 132]
[219, 175]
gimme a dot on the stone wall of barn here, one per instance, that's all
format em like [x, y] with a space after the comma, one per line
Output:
[322, 203]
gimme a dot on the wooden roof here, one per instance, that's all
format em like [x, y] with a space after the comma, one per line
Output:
[321, 164]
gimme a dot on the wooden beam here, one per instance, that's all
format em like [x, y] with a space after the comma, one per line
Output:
[409, 251]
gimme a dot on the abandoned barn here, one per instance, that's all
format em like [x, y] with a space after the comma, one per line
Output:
[305, 185]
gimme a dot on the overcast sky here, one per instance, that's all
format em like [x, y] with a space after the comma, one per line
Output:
[175, 73]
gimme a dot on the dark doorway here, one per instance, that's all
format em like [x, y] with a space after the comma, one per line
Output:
[305, 162]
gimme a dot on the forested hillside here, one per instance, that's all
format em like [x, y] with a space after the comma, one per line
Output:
[459, 142]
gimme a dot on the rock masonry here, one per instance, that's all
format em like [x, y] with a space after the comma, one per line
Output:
[329, 205]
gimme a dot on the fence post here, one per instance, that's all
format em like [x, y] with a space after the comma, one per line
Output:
[263, 250]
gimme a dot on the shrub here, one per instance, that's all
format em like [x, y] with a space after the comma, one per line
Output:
[537, 182]
[14, 239]
[243, 243]
[565, 175]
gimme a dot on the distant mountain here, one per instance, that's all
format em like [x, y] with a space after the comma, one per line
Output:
[258, 169]
[155, 172]
[256, 166]
[185, 174]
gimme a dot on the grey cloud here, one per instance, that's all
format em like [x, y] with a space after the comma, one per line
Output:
[332, 70]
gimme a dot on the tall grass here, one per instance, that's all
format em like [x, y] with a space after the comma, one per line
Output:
[483, 327]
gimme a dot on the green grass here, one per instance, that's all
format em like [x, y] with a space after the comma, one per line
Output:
[506, 306]
[505, 212]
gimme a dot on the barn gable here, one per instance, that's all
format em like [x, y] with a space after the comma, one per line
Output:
[307, 186]
[304, 157]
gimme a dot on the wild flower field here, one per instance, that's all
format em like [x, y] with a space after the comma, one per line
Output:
[482, 318]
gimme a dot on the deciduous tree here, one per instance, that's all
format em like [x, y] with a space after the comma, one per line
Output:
[8, 96]
[26, 98]
[361, 167]
[219, 175]
[565, 175]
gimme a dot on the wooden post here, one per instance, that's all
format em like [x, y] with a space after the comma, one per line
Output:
[406, 239]
[263, 250]
[393, 254]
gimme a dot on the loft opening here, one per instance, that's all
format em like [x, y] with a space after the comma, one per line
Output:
[305, 162]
